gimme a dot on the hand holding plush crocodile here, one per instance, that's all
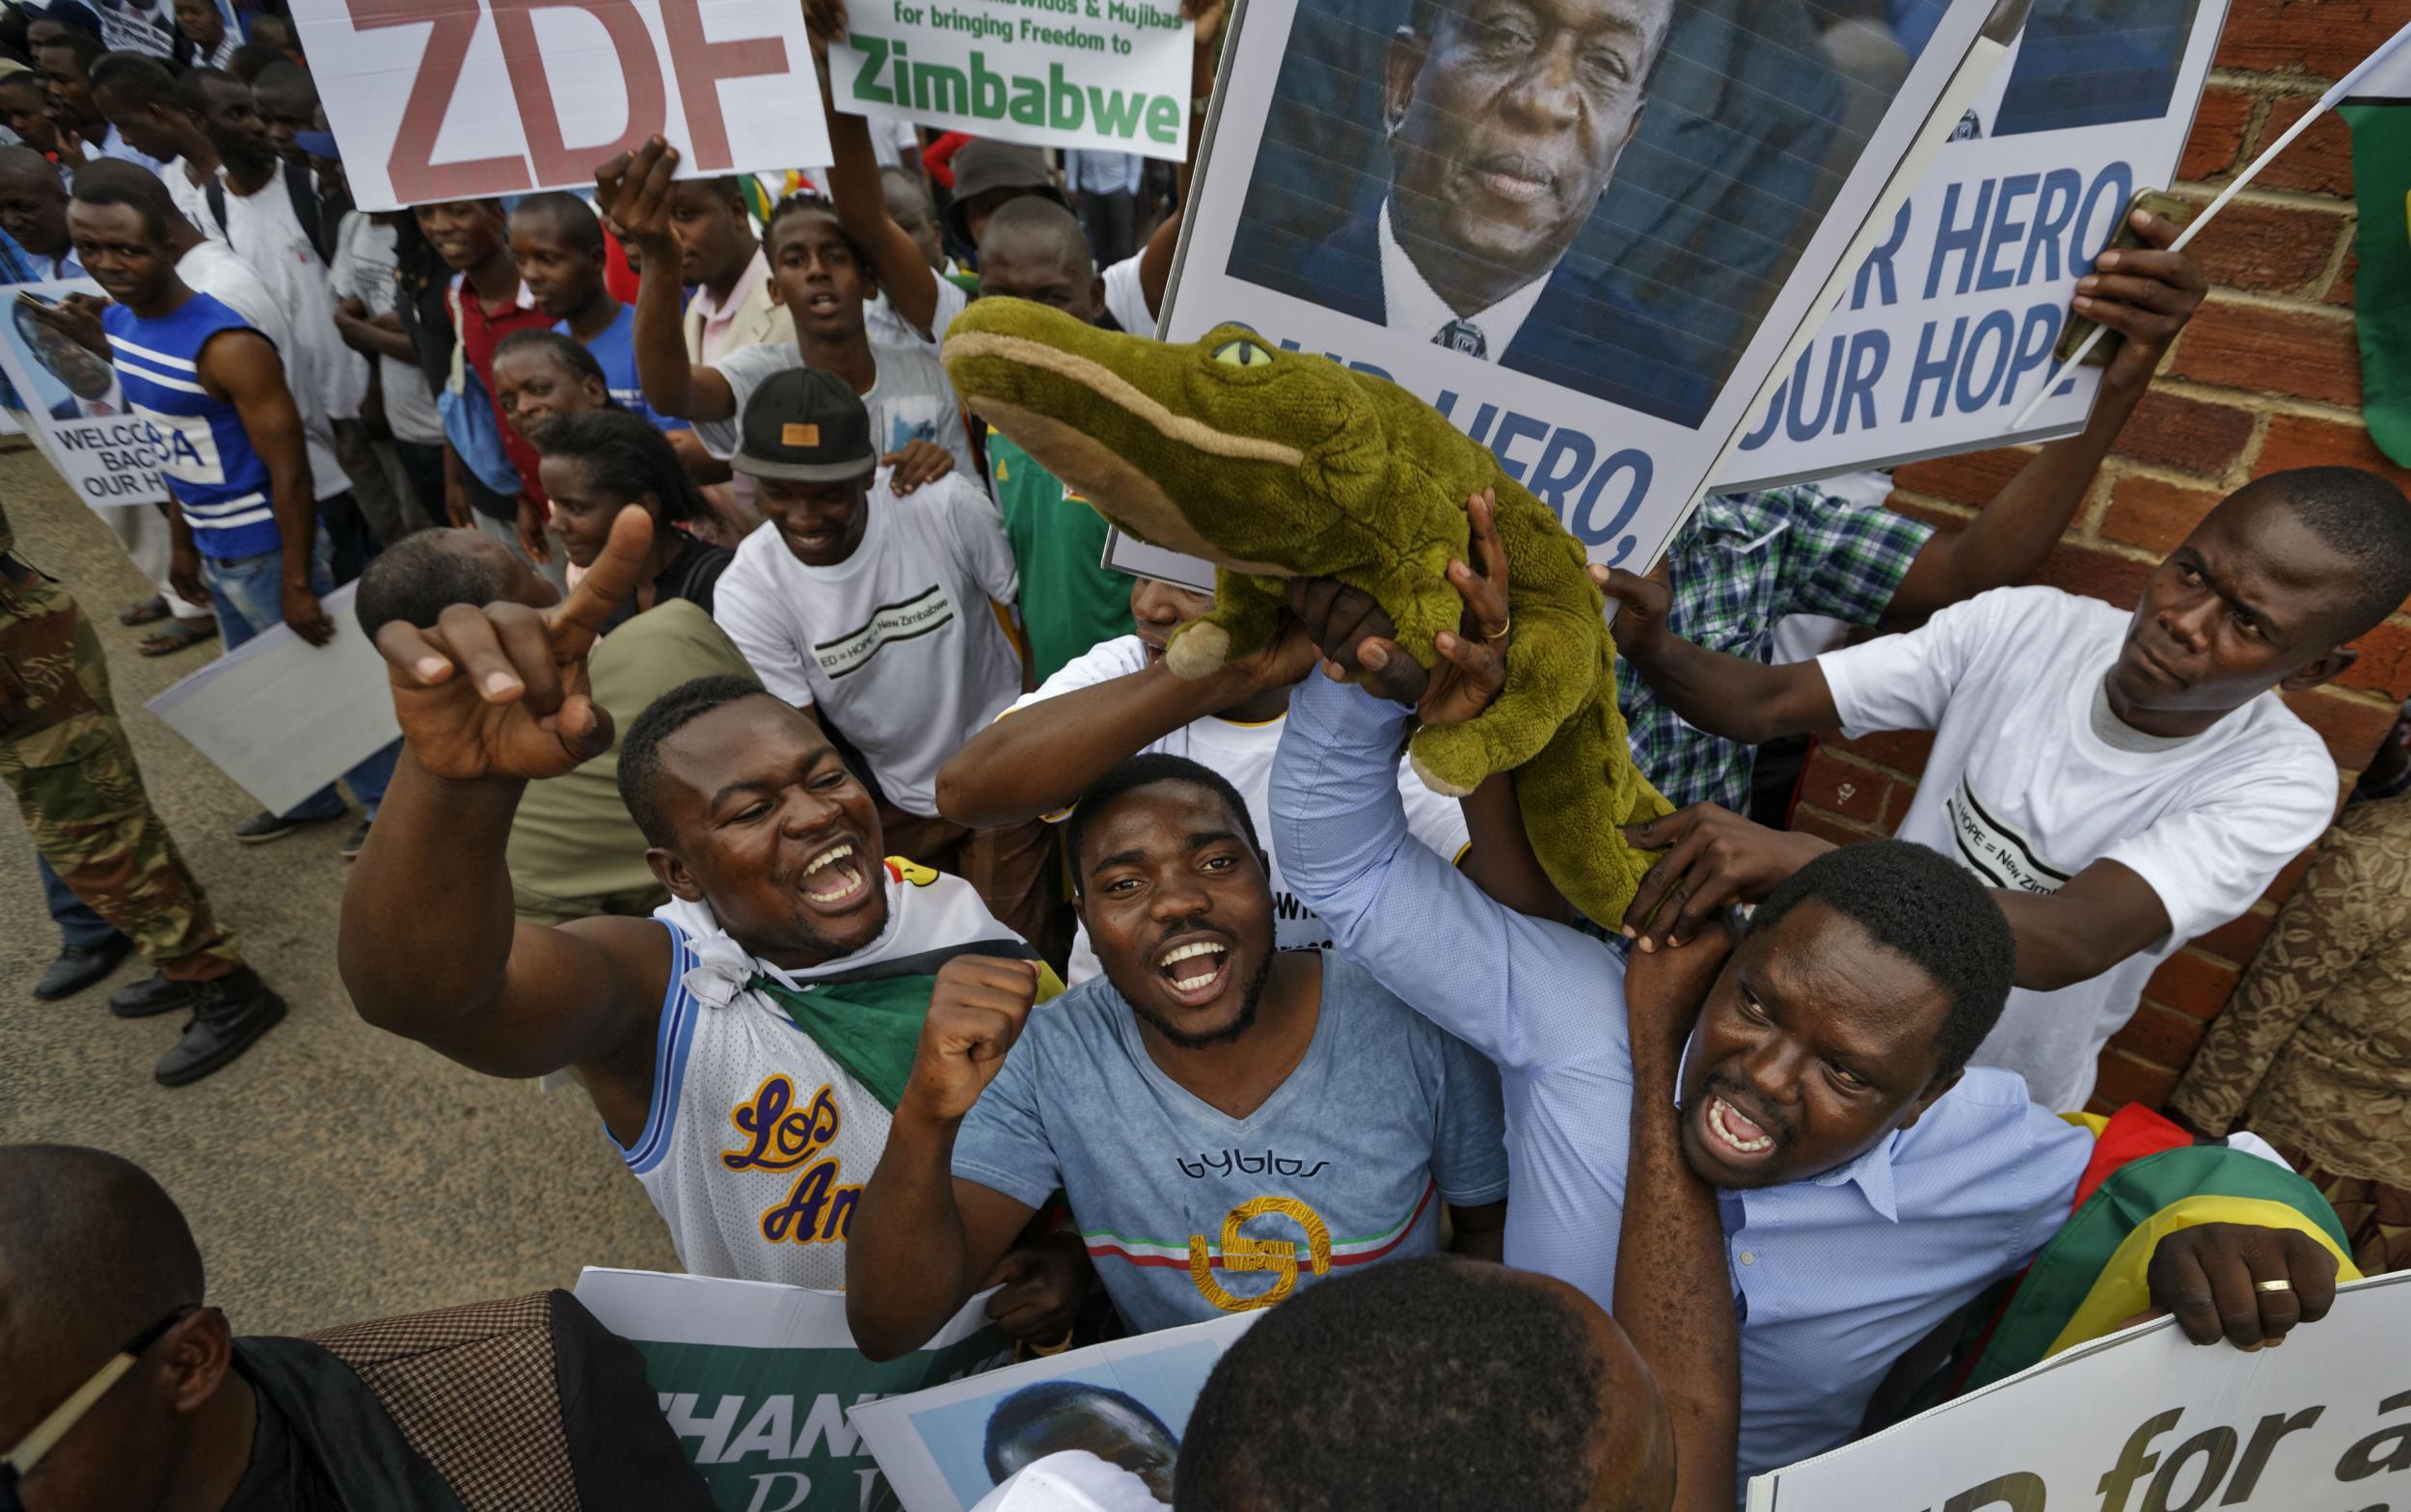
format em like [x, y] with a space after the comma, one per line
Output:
[1275, 465]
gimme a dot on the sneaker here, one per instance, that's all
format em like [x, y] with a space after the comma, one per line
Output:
[151, 995]
[356, 842]
[264, 827]
[229, 1013]
[79, 966]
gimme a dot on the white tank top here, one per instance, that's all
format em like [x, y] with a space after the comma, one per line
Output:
[757, 1143]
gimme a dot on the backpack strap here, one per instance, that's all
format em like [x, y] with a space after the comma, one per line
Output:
[214, 192]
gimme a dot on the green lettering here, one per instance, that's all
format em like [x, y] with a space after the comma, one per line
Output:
[1065, 108]
[987, 89]
[866, 83]
[1163, 119]
[1116, 115]
[1029, 101]
[951, 95]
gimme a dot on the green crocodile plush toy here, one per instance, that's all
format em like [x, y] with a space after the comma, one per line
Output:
[1275, 465]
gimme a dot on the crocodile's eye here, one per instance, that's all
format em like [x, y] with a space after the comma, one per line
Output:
[1242, 354]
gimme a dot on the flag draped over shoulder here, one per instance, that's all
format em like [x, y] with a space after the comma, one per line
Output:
[2377, 107]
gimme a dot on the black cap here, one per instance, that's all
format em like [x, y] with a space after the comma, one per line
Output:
[805, 423]
[989, 164]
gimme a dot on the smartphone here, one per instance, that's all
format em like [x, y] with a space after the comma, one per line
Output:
[2161, 202]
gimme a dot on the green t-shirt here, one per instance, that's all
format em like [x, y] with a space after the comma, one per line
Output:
[1070, 601]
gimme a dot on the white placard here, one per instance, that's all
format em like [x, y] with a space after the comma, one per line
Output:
[284, 717]
[1685, 262]
[1947, 329]
[462, 99]
[1127, 1401]
[70, 401]
[1128, 553]
[1100, 76]
[2144, 1419]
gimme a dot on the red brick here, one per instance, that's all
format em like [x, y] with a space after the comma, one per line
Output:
[2161, 1035]
[1903, 751]
[2217, 141]
[2323, 38]
[2271, 249]
[2264, 350]
[1844, 787]
[2340, 292]
[2239, 939]
[1970, 478]
[2094, 573]
[2319, 161]
[2192, 984]
[2301, 441]
[1810, 821]
[2171, 431]
[2385, 663]
[2350, 727]
[2146, 512]
[2123, 1078]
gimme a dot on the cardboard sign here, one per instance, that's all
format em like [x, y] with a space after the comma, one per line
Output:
[1126, 1402]
[2144, 1419]
[1946, 330]
[284, 717]
[462, 99]
[1595, 293]
[69, 399]
[757, 1379]
[1103, 76]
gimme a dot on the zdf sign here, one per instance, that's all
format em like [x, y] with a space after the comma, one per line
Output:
[462, 99]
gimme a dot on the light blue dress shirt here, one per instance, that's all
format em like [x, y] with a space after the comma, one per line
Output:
[1103, 172]
[1832, 1277]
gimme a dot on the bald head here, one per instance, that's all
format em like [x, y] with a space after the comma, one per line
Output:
[91, 1252]
[113, 180]
[1432, 1382]
[1032, 248]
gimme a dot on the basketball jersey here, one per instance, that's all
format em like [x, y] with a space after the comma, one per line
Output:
[757, 1143]
[221, 483]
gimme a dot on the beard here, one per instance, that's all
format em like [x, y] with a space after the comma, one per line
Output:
[1189, 1039]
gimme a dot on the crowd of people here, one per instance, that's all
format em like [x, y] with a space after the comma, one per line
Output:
[779, 761]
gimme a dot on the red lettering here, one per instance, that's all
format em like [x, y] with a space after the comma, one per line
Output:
[638, 69]
[415, 176]
[703, 64]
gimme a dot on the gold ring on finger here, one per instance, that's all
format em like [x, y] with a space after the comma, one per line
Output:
[1500, 634]
[2272, 1285]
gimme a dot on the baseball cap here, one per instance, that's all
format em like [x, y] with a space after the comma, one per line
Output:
[987, 164]
[807, 425]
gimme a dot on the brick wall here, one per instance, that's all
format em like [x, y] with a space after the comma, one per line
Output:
[2266, 377]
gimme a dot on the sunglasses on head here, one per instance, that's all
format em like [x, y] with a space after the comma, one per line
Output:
[28, 1451]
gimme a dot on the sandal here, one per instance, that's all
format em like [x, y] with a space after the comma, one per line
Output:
[149, 610]
[175, 635]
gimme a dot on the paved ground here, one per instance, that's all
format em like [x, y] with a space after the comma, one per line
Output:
[335, 1172]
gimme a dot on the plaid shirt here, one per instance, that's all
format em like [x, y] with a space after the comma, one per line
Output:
[1743, 562]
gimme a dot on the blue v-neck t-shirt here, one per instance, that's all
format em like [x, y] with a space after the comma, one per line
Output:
[1188, 1213]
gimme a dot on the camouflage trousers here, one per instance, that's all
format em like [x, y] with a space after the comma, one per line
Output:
[67, 761]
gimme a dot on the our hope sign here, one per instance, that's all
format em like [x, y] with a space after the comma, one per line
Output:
[461, 99]
[2144, 1421]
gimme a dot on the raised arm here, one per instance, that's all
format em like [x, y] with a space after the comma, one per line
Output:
[904, 275]
[921, 1239]
[2146, 295]
[1039, 758]
[1673, 1246]
[636, 189]
[488, 699]
[242, 369]
[1730, 696]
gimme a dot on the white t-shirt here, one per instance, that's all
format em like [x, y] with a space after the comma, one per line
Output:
[2024, 791]
[1073, 1481]
[363, 270]
[264, 233]
[213, 269]
[909, 400]
[1125, 300]
[898, 642]
[1243, 753]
